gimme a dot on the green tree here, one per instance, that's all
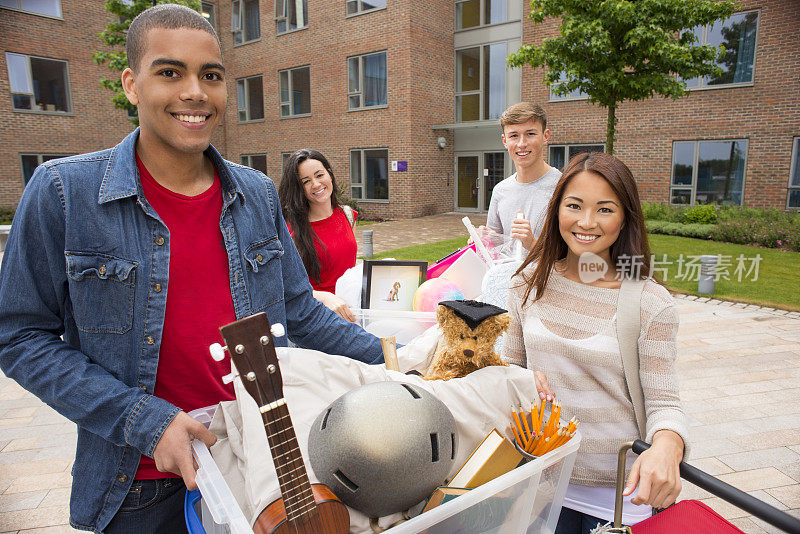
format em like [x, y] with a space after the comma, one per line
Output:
[618, 50]
[124, 12]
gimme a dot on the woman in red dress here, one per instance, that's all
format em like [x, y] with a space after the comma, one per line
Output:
[321, 228]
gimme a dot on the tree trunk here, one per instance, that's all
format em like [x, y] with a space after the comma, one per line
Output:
[611, 128]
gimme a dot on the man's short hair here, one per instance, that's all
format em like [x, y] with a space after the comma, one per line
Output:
[169, 16]
[523, 112]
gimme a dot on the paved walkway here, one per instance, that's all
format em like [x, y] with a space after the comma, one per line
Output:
[739, 369]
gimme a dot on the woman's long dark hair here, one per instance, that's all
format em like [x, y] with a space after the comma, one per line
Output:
[295, 207]
[631, 244]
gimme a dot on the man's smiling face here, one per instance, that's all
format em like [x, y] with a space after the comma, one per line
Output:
[179, 89]
[525, 142]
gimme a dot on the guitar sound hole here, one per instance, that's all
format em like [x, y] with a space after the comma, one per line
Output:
[346, 482]
[412, 391]
[434, 447]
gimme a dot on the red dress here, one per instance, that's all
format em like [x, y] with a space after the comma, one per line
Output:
[339, 251]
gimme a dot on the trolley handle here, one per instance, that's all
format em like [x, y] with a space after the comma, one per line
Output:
[701, 479]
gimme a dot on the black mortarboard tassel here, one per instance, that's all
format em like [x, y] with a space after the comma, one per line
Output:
[471, 311]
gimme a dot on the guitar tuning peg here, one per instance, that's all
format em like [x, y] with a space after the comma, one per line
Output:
[277, 330]
[227, 379]
[217, 351]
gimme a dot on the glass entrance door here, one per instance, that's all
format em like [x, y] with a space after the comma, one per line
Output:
[476, 176]
[467, 182]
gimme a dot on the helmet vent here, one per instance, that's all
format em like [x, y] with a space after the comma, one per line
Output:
[434, 447]
[412, 391]
[452, 446]
[325, 419]
[346, 482]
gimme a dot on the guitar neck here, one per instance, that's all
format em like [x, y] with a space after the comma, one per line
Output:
[298, 498]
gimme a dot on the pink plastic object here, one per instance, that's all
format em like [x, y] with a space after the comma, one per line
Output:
[436, 269]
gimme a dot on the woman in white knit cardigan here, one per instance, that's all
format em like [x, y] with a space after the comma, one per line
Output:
[563, 304]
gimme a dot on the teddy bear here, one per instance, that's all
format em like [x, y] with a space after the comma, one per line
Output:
[470, 330]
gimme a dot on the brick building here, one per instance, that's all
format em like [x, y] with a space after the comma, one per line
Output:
[404, 96]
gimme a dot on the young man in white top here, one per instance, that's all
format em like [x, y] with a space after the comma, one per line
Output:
[528, 190]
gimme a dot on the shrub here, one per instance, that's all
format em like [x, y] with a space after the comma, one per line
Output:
[764, 233]
[700, 214]
[697, 231]
[6, 214]
[662, 212]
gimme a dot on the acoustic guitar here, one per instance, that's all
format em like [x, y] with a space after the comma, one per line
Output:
[303, 508]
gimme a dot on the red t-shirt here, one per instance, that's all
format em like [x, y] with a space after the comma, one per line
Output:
[198, 301]
[339, 252]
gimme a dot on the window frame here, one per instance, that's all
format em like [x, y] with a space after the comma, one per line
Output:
[481, 14]
[703, 86]
[794, 162]
[250, 157]
[361, 11]
[212, 13]
[481, 81]
[285, 17]
[362, 183]
[567, 147]
[241, 23]
[290, 102]
[60, 16]
[360, 92]
[67, 86]
[247, 96]
[695, 161]
[39, 157]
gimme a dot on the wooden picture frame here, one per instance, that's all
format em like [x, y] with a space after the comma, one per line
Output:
[391, 284]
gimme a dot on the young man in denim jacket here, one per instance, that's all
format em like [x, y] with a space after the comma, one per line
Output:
[120, 268]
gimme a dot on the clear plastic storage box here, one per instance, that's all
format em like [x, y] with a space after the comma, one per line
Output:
[527, 499]
[403, 325]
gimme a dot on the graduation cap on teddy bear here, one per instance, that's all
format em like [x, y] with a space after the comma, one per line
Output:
[472, 312]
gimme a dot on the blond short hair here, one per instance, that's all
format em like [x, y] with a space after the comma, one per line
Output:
[523, 112]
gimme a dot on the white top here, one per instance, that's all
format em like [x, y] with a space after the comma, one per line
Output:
[570, 335]
[532, 198]
[599, 502]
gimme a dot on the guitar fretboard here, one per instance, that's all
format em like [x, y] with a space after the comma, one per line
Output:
[298, 498]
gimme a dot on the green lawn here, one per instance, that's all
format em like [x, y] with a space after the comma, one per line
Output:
[777, 284]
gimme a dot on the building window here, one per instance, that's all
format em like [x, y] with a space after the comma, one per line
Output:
[362, 6]
[284, 160]
[31, 161]
[51, 8]
[576, 94]
[793, 200]
[250, 98]
[290, 15]
[256, 161]
[738, 35]
[366, 80]
[481, 82]
[369, 174]
[295, 92]
[474, 13]
[561, 154]
[38, 84]
[708, 172]
[208, 11]
[245, 23]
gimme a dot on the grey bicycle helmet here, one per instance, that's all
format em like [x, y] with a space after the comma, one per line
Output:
[383, 447]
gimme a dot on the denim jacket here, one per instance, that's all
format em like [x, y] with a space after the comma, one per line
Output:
[80, 321]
